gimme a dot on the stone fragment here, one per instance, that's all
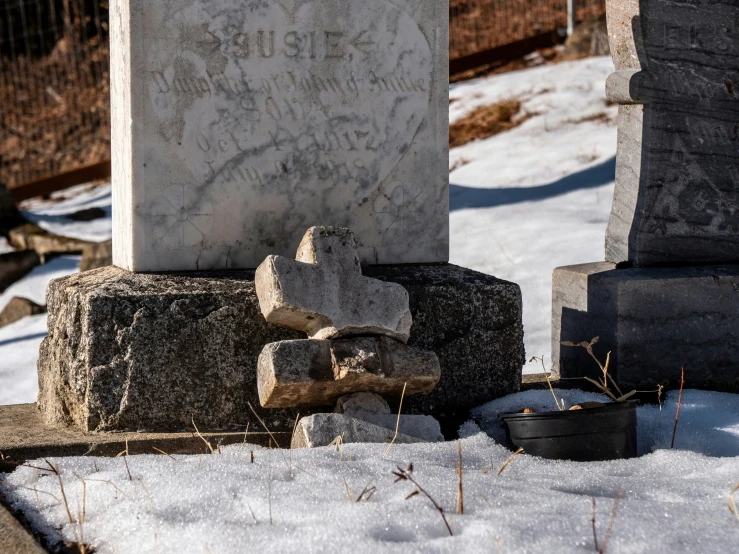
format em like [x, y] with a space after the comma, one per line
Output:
[30, 236]
[96, 255]
[324, 294]
[237, 124]
[323, 429]
[653, 321]
[677, 169]
[16, 265]
[361, 402]
[317, 372]
[131, 351]
[17, 309]
[88, 214]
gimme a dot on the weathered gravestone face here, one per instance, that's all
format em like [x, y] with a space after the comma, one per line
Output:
[237, 124]
[677, 181]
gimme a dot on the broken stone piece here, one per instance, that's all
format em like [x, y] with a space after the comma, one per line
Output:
[16, 265]
[30, 236]
[362, 402]
[17, 309]
[97, 255]
[322, 430]
[316, 372]
[323, 292]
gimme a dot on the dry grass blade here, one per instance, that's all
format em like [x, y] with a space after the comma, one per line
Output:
[272, 437]
[460, 493]
[549, 382]
[509, 460]
[602, 549]
[163, 452]
[679, 403]
[55, 470]
[732, 501]
[397, 423]
[600, 387]
[263, 425]
[199, 435]
[407, 475]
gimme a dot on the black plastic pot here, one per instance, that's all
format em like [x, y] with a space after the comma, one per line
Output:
[588, 435]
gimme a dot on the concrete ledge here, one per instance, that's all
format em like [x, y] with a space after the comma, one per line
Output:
[14, 539]
[654, 321]
[132, 351]
[26, 436]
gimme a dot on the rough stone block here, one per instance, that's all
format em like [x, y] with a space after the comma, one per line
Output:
[141, 351]
[653, 321]
[317, 372]
[237, 124]
[97, 255]
[677, 171]
[323, 292]
[323, 429]
[362, 402]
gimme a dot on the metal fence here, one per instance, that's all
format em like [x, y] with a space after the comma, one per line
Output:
[479, 25]
[54, 89]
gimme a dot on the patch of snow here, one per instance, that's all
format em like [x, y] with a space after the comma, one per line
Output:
[52, 216]
[538, 196]
[19, 344]
[709, 421]
[674, 501]
[5, 246]
[20, 341]
[33, 286]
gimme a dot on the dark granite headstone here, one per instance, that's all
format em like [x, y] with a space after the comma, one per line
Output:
[677, 176]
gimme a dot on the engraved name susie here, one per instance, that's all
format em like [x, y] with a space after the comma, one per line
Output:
[265, 45]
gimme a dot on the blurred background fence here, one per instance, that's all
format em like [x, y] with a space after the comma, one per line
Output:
[54, 89]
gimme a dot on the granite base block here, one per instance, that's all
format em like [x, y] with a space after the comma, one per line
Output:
[130, 351]
[654, 321]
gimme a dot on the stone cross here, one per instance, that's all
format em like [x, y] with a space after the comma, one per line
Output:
[237, 124]
[323, 292]
[677, 170]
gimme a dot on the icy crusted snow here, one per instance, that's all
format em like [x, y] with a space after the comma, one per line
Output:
[52, 216]
[673, 501]
[538, 196]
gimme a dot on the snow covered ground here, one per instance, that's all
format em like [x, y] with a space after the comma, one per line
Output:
[673, 501]
[537, 197]
[522, 202]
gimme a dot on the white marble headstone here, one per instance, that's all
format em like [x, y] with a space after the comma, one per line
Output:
[238, 124]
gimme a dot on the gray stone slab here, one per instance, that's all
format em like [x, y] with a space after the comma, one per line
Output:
[323, 429]
[317, 372]
[653, 321]
[362, 402]
[677, 172]
[140, 351]
[26, 436]
[323, 293]
[237, 124]
[14, 539]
